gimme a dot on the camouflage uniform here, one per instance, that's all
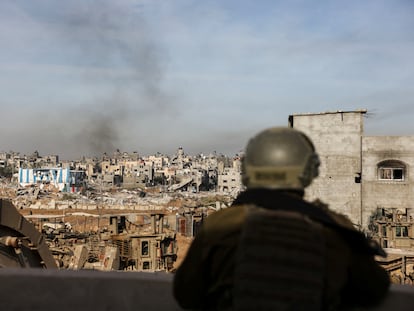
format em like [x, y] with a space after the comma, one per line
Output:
[205, 279]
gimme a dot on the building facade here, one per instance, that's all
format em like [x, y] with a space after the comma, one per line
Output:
[63, 179]
[359, 175]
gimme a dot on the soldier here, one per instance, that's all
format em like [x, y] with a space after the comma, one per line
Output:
[272, 250]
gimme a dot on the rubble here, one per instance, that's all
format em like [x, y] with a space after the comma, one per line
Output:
[110, 228]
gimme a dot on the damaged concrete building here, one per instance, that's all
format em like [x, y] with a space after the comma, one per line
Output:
[64, 179]
[359, 174]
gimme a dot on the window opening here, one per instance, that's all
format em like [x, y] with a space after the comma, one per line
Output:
[384, 230]
[401, 231]
[144, 248]
[391, 170]
[391, 173]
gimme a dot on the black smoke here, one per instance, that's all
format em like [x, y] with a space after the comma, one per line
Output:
[115, 57]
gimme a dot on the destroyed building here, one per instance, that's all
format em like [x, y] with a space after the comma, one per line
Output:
[229, 178]
[358, 173]
[143, 251]
[64, 179]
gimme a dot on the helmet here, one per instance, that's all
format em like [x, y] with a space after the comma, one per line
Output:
[279, 158]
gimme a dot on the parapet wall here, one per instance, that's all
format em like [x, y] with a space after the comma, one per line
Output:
[85, 290]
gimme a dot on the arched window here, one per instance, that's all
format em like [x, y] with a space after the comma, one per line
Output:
[391, 170]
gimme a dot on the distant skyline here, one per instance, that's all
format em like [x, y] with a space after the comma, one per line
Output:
[83, 77]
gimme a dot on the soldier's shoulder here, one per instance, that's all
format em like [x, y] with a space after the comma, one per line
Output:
[339, 218]
[227, 218]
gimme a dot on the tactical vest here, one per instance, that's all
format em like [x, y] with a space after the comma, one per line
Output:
[280, 262]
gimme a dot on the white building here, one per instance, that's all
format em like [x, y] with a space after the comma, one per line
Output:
[62, 178]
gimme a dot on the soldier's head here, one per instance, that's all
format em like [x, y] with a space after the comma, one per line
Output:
[280, 158]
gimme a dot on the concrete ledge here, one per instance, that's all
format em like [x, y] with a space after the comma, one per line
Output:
[42, 289]
[399, 298]
[86, 290]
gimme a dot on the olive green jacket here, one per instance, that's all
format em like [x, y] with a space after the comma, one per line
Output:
[205, 277]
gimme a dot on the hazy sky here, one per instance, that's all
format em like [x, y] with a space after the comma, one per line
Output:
[87, 76]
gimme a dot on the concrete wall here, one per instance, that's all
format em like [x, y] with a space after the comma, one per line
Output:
[386, 193]
[229, 180]
[85, 290]
[344, 152]
[337, 138]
